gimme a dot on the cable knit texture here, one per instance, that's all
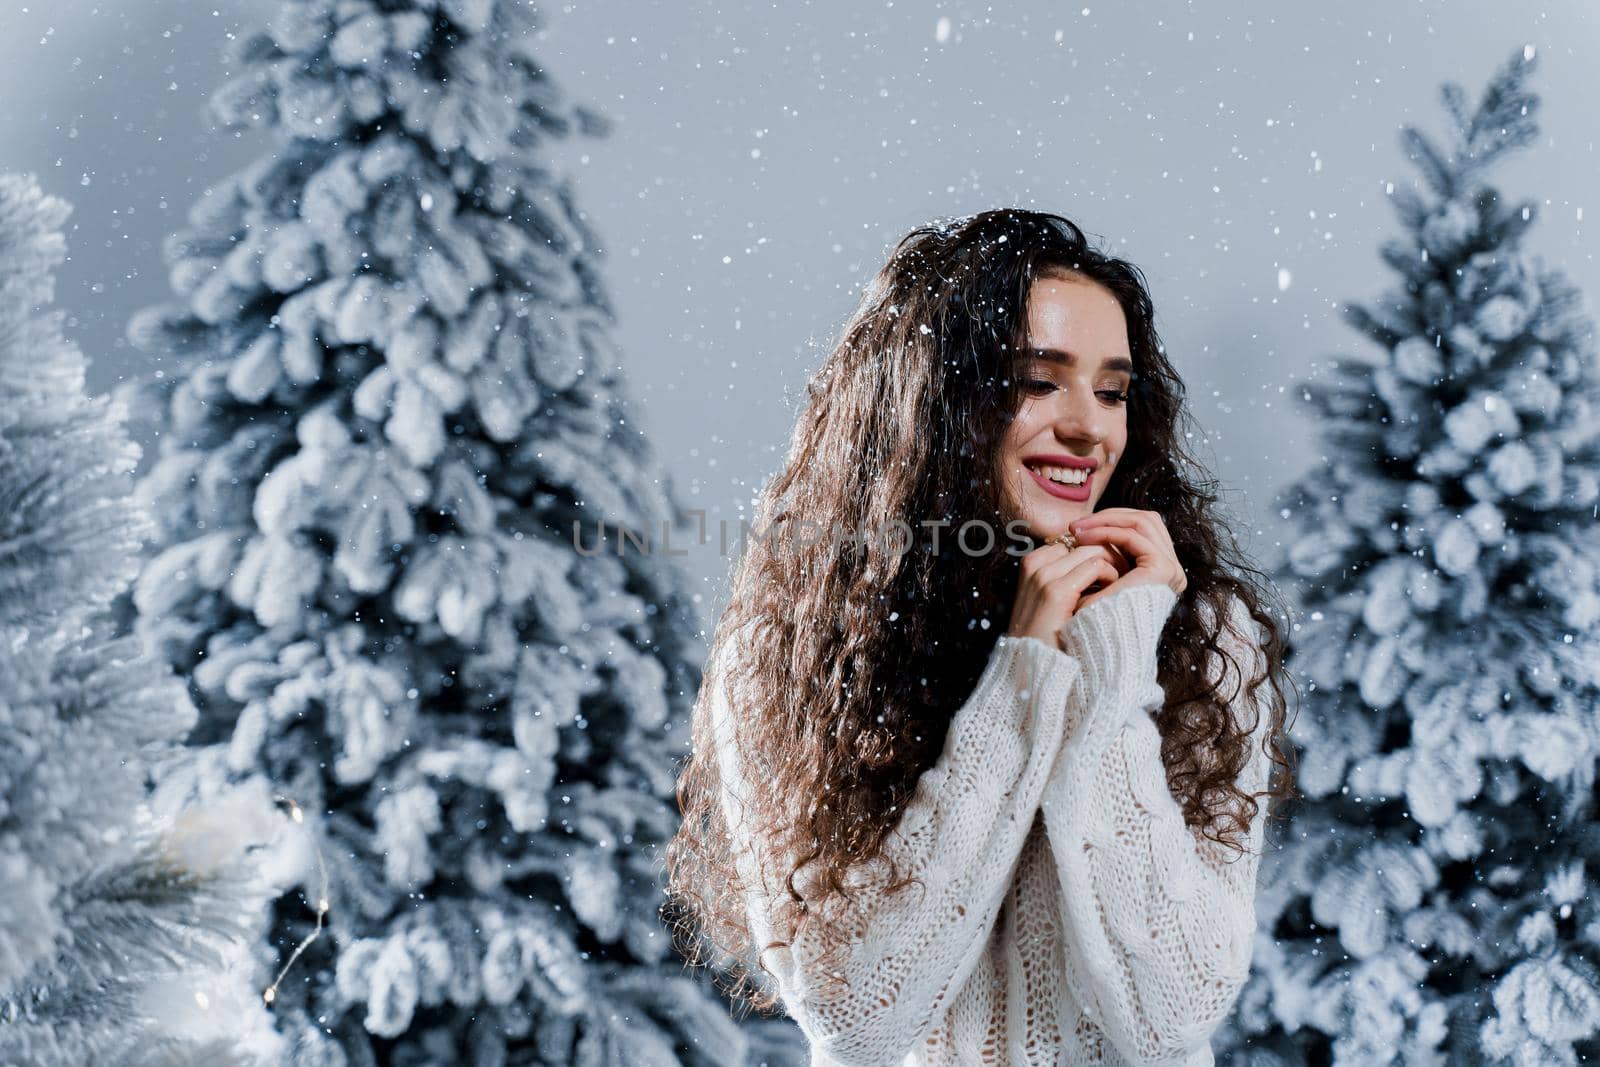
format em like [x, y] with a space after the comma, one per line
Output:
[1069, 915]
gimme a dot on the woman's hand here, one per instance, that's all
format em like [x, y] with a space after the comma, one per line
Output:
[1051, 586]
[1139, 534]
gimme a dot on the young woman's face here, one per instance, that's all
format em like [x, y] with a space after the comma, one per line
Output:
[1060, 451]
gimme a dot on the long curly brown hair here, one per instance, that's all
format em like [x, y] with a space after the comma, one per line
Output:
[857, 652]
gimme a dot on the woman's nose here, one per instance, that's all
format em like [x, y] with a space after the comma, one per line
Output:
[1079, 415]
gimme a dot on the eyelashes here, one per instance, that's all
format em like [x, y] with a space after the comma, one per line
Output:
[1039, 386]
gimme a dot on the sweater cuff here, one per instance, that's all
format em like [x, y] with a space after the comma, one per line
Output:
[1116, 639]
[1028, 673]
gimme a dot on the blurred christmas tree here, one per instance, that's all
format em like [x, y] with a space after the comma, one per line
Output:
[102, 903]
[400, 398]
[1435, 900]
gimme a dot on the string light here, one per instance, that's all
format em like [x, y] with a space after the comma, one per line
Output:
[321, 907]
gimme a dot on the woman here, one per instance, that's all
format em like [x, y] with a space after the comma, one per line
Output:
[987, 806]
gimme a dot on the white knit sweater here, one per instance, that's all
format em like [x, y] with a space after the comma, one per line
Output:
[1070, 916]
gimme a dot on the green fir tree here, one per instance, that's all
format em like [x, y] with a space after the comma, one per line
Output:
[400, 396]
[1435, 900]
[102, 904]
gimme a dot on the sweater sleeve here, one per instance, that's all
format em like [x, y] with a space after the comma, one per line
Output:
[1159, 921]
[961, 834]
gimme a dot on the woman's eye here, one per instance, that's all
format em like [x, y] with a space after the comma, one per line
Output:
[1044, 385]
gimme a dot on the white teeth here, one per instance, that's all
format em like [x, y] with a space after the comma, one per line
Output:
[1064, 475]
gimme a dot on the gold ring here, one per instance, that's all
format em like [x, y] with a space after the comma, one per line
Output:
[1066, 539]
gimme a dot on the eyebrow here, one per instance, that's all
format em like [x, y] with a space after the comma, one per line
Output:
[1061, 355]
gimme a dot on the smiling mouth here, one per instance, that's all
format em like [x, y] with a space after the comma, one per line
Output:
[1075, 490]
[1071, 476]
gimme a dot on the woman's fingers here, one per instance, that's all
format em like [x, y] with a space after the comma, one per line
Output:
[1114, 582]
[1049, 562]
[1149, 522]
[1104, 574]
[1073, 586]
[1119, 558]
[1052, 581]
[1086, 572]
[1091, 598]
[1131, 539]
[1059, 580]
[1145, 536]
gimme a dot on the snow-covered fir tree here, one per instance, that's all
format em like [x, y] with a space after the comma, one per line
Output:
[1435, 901]
[99, 906]
[400, 412]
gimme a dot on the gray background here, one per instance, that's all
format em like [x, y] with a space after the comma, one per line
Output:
[767, 156]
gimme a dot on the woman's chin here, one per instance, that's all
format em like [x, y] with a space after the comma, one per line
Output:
[1049, 522]
[1044, 531]
[1042, 520]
